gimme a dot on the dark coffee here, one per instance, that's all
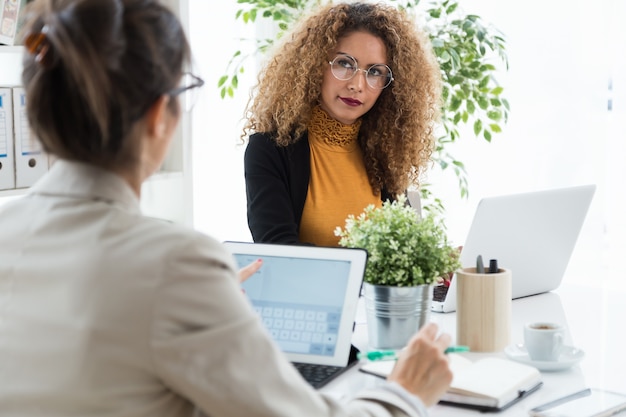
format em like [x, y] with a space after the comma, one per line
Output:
[543, 327]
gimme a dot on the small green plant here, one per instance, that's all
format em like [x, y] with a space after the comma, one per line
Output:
[403, 249]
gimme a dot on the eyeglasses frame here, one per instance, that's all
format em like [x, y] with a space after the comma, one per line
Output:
[357, 69]
[197, 82]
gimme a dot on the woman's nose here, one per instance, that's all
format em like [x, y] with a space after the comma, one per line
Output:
[357, 82]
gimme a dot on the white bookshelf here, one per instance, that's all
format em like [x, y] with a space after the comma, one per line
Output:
[168, 194]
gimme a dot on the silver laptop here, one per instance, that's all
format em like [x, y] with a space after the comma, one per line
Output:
[532, 234]
[306, 296]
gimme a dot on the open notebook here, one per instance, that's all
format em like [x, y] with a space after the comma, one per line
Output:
[487, 384]
[307, 298]
[533, 234]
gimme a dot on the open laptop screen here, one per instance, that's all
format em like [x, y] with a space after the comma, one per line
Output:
[533, 234]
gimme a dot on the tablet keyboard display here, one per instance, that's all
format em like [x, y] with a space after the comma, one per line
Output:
[300, 329]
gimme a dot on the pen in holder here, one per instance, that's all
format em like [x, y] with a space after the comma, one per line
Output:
[483, 309]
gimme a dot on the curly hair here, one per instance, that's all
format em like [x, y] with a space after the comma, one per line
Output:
[397, 134]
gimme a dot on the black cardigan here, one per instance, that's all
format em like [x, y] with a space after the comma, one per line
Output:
[277, 182]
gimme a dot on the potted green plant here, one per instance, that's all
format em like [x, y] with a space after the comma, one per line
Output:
[407, 254]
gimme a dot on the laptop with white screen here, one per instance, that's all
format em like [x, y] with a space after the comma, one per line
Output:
[306, 296]
[533, 234]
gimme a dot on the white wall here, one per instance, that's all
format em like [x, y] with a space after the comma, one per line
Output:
[561, 52]
[219, 190]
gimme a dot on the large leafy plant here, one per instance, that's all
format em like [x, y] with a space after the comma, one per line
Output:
[403, 249]
[469, 52]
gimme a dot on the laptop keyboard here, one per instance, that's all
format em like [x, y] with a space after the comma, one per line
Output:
[439, 292]
[318, 375]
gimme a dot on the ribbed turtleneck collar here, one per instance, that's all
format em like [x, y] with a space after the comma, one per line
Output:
[332, 131]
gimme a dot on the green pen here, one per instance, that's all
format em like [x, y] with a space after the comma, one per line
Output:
[379, 355]
[457, 349]
[392, 355]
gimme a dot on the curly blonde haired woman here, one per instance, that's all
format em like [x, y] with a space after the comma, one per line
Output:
[342, 117]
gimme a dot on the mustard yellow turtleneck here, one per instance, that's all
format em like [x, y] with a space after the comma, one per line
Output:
[339, 185]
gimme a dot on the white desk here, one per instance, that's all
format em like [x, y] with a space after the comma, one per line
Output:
[595, 321]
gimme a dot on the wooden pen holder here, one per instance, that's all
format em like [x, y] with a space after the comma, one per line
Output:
[483, 309]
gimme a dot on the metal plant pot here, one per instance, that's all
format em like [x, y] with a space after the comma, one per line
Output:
[394, 314]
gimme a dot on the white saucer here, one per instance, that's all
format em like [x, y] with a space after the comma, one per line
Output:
[569, 357]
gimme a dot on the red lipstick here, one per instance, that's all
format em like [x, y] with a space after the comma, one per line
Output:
[351, 101]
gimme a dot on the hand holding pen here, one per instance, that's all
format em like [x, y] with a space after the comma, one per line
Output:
[422, 367]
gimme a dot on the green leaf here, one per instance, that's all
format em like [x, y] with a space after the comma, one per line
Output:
[456, 59]
[478, 127]
[457, 80]
[471, 107]
[235, 82]
[494, 115]
[435, 13]
[487, 135]
[497, 91]
[495, 128]
[222, 80]
[455, 103]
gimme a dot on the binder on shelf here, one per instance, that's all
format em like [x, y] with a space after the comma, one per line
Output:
[7, 160]
[10, 23]
[31, 162]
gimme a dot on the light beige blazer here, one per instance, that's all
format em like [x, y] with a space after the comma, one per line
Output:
[105, 312]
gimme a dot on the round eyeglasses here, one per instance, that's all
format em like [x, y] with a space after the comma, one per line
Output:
[344, 67]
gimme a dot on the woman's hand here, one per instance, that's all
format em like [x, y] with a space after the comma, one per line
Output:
[249, 270]
[422, 368]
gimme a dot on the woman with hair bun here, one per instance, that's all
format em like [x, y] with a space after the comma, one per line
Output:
[106, 312]
[342, 117]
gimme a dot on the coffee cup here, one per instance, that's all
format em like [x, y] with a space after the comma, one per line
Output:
[543, 340]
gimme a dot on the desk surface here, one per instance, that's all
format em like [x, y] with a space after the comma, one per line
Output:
[594, 318]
